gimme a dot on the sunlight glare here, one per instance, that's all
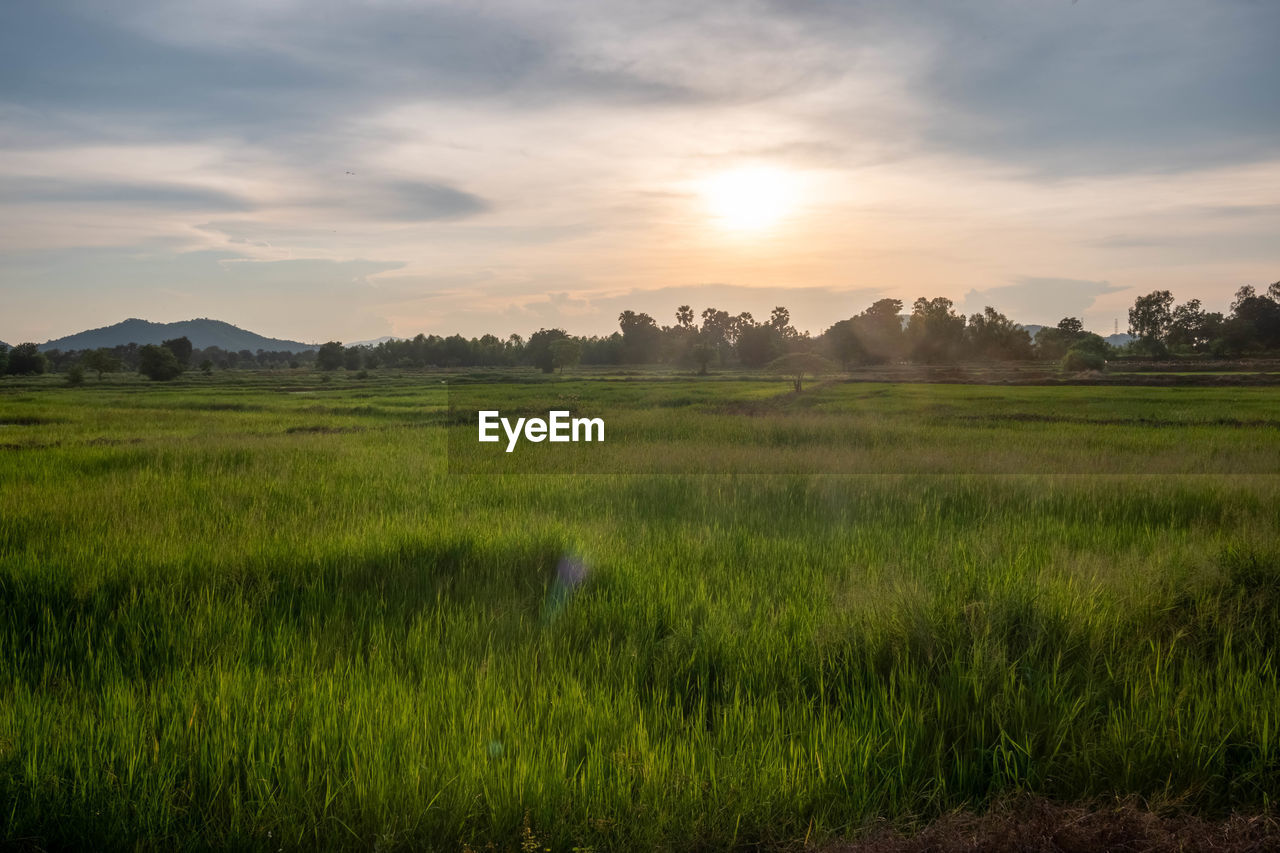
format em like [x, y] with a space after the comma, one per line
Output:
[751, 198]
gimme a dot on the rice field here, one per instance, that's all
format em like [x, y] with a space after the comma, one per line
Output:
[277, 612]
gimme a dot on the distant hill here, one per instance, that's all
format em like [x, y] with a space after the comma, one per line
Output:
[202, 333]
[373, 342]
[1117, 340]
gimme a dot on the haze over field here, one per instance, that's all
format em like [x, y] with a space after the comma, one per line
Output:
[317, 171]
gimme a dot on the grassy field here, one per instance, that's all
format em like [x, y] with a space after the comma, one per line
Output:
[270, 611]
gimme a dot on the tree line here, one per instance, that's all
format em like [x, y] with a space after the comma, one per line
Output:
[167, 360]
[932, 332]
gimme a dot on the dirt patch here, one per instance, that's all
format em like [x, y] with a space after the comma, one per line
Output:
[1033, 825]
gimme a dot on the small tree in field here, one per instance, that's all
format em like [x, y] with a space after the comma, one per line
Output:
[798, 364]
[158, 363]
[102, 361]
[330, 356]
[565, 352]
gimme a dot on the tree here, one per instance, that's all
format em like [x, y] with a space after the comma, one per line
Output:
[716, 328]
[1187, 326]
[75, 375]
[702, 356]
[844, 343]
[181, 349]
[879, 330]
[206, 367]
[684, 316]
[26, 359]
[759, 345]
[640, 337]
[798, 364]
[1150, 316]
[158, 363]
[1255, 320]
[935, 332]
[538, 351]
[102, 361]
[1052, 342]
[1071, 326]
[4, 359]
[780, 318]
[330, 356]
[565, 352]
[513, 349]
[991, 335]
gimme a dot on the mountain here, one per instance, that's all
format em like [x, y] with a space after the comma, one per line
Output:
[1117, 340]
[202, 333]
[373, 342]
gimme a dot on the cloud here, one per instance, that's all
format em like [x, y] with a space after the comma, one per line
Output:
[1092, 88]
[1060, 89]
[33, 190]
[1039, 300]
[280, 71]
[551, 148]
[421, 201]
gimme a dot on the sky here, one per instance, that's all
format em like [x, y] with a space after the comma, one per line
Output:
[318, 170]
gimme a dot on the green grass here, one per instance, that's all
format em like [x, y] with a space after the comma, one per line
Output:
[235, 616]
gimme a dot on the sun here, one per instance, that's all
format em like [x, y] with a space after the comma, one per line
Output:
[752, 198]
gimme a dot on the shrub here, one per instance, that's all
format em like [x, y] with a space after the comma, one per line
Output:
[27, 359]
[158, 363]
[75, 375]
[1077, 360]
[330, 356]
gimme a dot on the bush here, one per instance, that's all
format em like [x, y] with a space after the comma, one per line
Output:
[158, 363]
[330, 356]
[1149, 348]
[26, 359]
[75, 375]
[1077, 360]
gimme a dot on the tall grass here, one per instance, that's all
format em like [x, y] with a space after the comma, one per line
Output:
[234, 617]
